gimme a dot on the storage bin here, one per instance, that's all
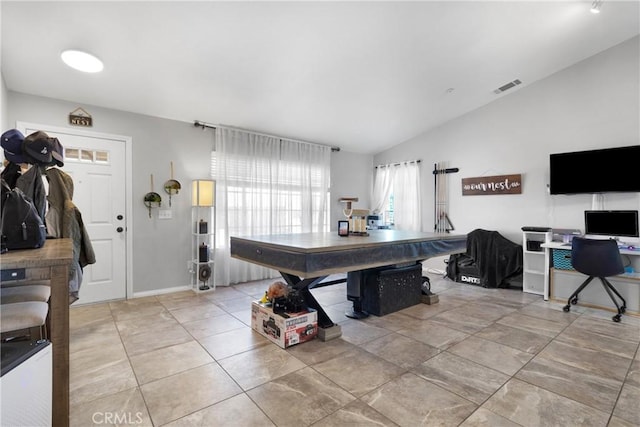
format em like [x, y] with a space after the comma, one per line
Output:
[534, 245]
[390, 289]
[562, 259]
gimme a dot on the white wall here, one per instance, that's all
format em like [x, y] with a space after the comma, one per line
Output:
[593, 104]
[4, 115]
[4, 120]
[351, 176]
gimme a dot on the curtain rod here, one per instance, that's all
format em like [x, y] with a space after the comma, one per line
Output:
[398, 164]
[203, 125]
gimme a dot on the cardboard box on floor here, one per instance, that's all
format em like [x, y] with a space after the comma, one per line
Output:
[284, 331]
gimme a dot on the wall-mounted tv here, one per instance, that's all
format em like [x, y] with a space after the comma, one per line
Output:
[595, 171]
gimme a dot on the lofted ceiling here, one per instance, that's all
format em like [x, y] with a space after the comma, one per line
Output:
[363, 76]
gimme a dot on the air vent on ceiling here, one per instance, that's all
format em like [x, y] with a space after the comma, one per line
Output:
[508, 86]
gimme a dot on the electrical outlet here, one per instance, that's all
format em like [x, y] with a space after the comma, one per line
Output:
[164, 214]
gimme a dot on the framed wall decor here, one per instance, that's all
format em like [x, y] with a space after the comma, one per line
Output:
[486, 185]
[343, 228]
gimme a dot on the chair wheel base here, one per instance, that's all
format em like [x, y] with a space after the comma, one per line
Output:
[574, 301]
[566, 308]
[616, 318]
[623, 309]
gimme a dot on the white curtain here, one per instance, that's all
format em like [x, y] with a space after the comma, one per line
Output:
[265, 185]
[381, 189]
[406, 197]
[403, 181]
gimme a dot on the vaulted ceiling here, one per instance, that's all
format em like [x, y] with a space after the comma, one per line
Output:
[360, 75]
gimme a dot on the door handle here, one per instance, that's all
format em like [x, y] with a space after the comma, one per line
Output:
[119, 229]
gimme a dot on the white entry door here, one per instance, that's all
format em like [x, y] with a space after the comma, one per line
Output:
[97, 165]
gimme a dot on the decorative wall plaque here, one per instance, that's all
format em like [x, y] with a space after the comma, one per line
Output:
[484, 185]
[79, 117]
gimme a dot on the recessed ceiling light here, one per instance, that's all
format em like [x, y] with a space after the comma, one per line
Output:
[82, 61]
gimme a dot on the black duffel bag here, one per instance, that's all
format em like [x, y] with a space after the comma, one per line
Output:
[463, 269]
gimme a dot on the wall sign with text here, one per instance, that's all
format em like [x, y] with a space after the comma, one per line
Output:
[79, 117]
[484, 185]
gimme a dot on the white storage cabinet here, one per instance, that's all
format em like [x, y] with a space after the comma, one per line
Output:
[535, 275]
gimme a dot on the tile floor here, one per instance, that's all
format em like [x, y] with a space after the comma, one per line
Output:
[491, 357]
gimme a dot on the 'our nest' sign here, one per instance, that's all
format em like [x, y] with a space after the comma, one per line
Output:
[484, 185]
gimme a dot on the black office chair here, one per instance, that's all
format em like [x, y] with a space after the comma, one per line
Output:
[601, 259]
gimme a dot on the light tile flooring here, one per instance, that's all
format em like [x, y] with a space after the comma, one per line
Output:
[490, 357]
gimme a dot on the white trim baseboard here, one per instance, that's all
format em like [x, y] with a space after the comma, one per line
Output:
[163, 291]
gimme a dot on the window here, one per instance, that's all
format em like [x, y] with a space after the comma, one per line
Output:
[396, 194]
[261, 200]
[82, 155]
[265, 185]
[388, 210]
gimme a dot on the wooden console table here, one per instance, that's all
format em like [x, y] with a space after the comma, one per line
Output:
[51, 262]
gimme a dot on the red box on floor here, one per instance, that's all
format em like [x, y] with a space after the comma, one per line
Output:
[285, 329]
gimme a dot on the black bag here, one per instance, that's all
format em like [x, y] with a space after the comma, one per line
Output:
[463, 269]
[21, 227]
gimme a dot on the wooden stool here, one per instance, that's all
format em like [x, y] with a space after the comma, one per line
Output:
[25, 293]
[16, 283]
[23, 318]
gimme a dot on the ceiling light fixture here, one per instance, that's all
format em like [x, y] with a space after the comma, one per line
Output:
[595, 6]
[82, 61]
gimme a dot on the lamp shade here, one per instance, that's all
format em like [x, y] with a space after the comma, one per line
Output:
[203, 192]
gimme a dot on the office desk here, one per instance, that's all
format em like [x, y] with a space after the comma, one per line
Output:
[51, 262]
[305, 259]
[628, 284]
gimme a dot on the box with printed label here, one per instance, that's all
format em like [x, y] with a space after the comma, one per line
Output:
[284, 329]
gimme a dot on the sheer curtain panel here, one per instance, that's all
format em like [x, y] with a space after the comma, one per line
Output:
[265, 185]
[406, 197]
[403, 181]
[381, 188]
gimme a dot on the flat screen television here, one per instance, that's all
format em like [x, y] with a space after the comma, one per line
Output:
[595, 171]
[611, 223]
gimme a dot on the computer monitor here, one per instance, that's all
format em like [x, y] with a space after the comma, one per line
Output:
[611, 223]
